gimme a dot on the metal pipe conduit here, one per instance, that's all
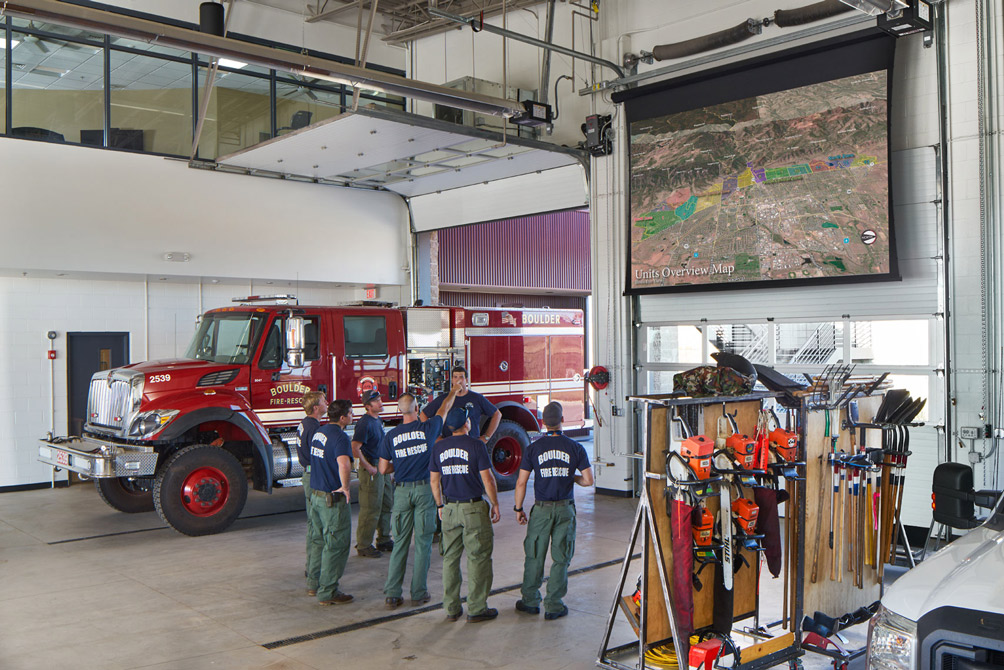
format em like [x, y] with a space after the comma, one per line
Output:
[101, 21]
[519, 37]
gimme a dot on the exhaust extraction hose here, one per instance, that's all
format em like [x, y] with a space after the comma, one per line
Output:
[722, 38]
[784, 18]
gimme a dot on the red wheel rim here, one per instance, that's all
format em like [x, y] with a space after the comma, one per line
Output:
[205, 491]
[506, 455]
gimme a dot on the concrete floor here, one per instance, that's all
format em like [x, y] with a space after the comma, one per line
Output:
[83, 586]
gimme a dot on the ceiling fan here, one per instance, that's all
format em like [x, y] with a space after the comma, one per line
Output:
[40, 43]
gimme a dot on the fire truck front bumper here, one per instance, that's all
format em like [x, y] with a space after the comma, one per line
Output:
[96, 458]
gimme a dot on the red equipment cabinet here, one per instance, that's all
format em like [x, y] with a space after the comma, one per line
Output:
[185, 436]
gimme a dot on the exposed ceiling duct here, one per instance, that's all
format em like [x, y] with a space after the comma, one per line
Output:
[101, 21]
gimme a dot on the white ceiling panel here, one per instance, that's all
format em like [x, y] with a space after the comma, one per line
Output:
[405, 153]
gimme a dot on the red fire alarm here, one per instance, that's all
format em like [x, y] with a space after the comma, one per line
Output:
[52, 354]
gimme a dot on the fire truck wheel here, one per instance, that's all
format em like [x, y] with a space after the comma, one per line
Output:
[131, 496]
[506, 451]
[200, 490]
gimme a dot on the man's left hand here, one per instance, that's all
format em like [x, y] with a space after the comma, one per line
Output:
[495, 514]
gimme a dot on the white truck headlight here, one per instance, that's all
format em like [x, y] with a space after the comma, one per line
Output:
[148, 423]
[892, 642]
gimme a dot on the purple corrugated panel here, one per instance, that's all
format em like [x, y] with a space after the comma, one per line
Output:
[541, 252]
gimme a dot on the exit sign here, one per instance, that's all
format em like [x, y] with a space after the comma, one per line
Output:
[371, 294]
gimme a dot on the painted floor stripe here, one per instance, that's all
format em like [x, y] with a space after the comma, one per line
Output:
[376, 621]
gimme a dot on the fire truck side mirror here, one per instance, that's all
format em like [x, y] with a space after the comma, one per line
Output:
[294, 341]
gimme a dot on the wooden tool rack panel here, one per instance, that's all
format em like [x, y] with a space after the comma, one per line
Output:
[831, 597]
[745, 581]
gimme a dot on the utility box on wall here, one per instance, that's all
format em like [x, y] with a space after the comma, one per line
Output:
[486, 121]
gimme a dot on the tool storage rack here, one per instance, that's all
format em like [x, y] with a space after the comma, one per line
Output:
[657, 622]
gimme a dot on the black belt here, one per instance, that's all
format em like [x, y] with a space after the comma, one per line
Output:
[420, 482]
[469, 500]
[566, 501]
[336, 497]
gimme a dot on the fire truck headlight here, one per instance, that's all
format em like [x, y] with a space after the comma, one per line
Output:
[892, 642]
[148, 423]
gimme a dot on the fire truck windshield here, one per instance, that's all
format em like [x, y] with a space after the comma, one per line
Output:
[226, 337]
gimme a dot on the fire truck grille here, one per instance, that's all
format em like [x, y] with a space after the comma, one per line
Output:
[108, 404]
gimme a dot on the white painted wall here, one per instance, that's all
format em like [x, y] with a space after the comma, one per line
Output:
[31, 306]
[88, 210]
[277, 25]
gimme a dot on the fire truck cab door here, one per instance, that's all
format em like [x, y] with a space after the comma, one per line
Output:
[370, 354]
[276, 388]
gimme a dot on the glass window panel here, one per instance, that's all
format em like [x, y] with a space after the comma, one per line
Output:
[891, 342]
[749, 340]
[58, 89]
[238, 114]
[660, 381]
[153, 48]
[809, 344]
[298, 105]
[378, 99]
[673, 344]
[365, 336]
[151, 106]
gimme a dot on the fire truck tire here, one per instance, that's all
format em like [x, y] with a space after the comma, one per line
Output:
[200, 490]
[506, 451]
[125, 495]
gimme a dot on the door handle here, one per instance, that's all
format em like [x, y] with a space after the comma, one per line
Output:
[392, 390]
[323, 388]
[275, 376]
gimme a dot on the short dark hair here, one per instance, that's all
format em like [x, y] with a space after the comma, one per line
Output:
[339, 408]
[459, 368]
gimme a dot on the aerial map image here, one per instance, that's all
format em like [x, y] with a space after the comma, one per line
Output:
[789, 185]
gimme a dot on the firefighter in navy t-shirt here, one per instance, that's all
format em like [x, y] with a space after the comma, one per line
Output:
[316, 406]
[477, 406]
[330, 460]
[376, 495]
[461, 473]
[405, 452]
[553, 460]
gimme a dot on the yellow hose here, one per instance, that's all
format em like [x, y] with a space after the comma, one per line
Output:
[663, 657]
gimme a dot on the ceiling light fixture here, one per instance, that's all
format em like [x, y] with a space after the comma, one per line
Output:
[876, 7]
[13, 43]
[233, 64]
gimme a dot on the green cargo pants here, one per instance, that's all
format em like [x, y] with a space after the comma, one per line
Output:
[554, 523]
[376, 499]
[414, 512]
[331, 544]
[311, 530]
[467, 526]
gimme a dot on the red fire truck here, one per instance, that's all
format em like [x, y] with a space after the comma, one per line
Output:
[185, 436]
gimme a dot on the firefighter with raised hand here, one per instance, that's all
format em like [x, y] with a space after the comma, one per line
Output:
[316, 406]
[375, 493]
[330, 460]
[553, 460]
[405, 452]
[477, 406]
[461, 475]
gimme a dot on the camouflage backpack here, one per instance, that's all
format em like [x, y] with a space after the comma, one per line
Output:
[708, 380]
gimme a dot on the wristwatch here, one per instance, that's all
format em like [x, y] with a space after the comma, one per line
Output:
[440, 506]
[517, 509]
